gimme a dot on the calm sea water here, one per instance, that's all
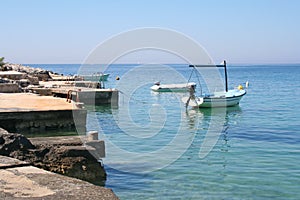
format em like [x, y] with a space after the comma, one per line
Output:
[153, 142]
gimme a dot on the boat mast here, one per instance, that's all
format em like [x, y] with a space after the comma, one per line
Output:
[226, 82]
[221, 65]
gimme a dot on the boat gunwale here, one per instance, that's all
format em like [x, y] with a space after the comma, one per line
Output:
[224, 97]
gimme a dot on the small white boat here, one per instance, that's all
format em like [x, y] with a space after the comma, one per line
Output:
[181, 87]
[96, 77]
[217, 99]
[225, 98]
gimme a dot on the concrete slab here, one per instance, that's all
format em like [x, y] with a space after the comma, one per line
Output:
[87, 93]
[28, 113]
[7, 162]
[61, 140]
[34, 183]
[76, 144]
[31, 102]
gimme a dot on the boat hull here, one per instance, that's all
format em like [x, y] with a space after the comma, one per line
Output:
[232, 98]
[98, 77]
[173, 87]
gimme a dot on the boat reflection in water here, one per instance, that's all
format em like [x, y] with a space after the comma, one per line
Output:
[203, 116]
[211, 145]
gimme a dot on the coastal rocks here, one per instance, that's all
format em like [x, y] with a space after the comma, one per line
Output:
[71, 159]
[3, 80]
[43, 75]
[23, 69]
[10, 143]
[74, 161]
[33, 80]
[19, 72]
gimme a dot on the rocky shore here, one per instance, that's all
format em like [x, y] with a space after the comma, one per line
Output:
[19, 78]
[23, 76]
[74, 156]
[19, 180]
[68, 157]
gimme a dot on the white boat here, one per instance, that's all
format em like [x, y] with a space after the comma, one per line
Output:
[96, 77]
[181, 87]
[225, 98]
[216, 99]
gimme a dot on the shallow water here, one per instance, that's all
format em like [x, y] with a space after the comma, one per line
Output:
[153, 143]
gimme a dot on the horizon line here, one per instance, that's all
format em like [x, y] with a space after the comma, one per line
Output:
[228, 63]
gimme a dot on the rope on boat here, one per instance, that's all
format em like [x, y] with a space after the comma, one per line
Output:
[192, 89]
[198, 79]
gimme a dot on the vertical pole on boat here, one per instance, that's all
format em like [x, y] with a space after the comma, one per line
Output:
[226, 82]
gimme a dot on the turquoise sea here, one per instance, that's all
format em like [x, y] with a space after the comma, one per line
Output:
[153, 142]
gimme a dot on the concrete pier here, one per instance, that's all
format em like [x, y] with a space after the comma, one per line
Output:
[21, 181]
[22, 112]
[89, 96]
[80, 91]
[9, 87]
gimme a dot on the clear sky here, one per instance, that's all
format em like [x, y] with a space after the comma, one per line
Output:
[65, 31]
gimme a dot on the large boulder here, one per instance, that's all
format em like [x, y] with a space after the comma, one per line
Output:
[12, 142]
[74, 161]
[42, 75]
[33, 80]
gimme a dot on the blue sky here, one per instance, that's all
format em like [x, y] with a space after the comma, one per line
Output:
[66, 31]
